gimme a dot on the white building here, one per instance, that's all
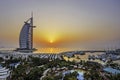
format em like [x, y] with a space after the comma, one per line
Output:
[4, 73]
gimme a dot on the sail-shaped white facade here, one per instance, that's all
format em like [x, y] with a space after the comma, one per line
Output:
[26, 35]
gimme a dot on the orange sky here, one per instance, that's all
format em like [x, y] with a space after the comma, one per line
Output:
[62, 23]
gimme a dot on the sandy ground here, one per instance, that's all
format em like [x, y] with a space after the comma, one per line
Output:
[117, 61]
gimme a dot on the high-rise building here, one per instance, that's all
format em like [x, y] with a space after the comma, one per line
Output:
[26, 35]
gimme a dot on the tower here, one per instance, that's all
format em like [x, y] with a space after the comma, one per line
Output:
[26, 35]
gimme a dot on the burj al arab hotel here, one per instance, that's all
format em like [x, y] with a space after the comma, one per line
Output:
[26, 36]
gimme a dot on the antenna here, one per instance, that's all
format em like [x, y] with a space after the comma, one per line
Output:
[32, 19]
[32, 14]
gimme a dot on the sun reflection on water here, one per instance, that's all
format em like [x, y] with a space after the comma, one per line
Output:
[52, 50]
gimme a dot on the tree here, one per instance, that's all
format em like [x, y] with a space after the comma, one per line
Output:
[59, 77]
[48, 78]
[71, 76]
[1, 59]
[34, 74]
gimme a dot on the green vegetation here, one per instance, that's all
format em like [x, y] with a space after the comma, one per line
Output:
[115, 66]
[71, 76]
[33, 68]
[59, 77]
[113, 77]
[34, 74]
[1, 59]
[30, 69]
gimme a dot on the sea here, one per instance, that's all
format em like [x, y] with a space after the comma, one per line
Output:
[58, 51]
[48, 50]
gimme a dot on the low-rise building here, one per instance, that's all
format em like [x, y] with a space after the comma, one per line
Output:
[4, 73]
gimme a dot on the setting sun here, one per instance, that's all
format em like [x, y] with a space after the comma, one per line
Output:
[51, 41]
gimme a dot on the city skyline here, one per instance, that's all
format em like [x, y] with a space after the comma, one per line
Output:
[81, 24]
